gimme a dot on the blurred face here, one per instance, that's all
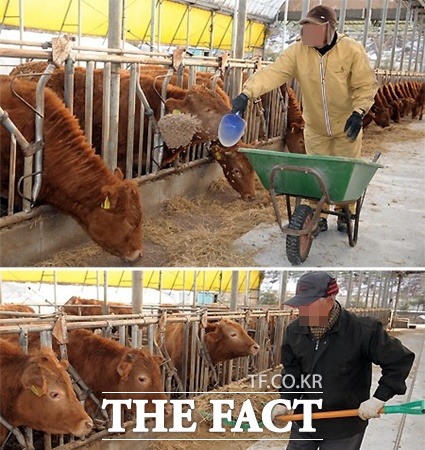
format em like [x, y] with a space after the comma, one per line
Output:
[314, 35]
[316, 313]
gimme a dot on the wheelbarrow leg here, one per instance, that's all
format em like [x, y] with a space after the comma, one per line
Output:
[353, 232]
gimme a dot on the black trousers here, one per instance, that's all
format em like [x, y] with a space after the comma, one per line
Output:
[351, 443]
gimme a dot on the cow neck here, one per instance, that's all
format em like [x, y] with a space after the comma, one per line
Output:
[80, 176]
[206, 354]
[12, 364]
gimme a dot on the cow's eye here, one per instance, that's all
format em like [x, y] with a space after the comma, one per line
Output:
[142, 379]
[54, 394]
[233, 334]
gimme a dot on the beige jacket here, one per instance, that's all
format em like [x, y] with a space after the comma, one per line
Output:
[333, 85]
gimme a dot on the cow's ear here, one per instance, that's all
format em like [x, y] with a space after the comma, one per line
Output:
[159, 359]
[33, 379]
[173, 103]
[211, 327]
[217, 154]
[64, 363]
[125, 366]
[109, 198]
[118, 173]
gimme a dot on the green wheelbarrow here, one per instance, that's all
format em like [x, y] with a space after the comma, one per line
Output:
[326, 180]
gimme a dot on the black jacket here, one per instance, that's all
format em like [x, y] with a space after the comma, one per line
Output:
[343, 358]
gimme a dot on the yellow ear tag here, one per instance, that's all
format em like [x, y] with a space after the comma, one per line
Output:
[35, 391]
[176, 111]
[106, 204]
[217, 156]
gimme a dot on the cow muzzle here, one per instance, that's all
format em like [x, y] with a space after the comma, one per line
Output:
[254, 349]
[133, 256]
[84, 428]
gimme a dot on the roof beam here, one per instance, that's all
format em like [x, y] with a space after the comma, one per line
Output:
[210, 6]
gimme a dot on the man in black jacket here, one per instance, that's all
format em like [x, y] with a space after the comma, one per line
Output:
[338, 348]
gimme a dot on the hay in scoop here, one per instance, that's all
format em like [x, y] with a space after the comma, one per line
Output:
[177, 129]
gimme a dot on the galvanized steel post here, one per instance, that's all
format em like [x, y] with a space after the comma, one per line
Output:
[395, 34]
[234, 293]
[382, 34]
[114, 41]
[137, 291]
[367, 21]
[406, 27]
[342, 13]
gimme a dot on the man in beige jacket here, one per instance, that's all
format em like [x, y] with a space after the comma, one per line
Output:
[337, 82]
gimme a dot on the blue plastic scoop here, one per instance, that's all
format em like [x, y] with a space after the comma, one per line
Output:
[231, 129]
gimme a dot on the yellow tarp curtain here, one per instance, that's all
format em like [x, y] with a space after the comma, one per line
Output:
[206, 280]
[176, 24]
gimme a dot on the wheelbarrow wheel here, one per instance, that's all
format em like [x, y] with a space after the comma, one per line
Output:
[298, 247]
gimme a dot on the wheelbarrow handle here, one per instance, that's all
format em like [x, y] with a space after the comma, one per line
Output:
[323, 415]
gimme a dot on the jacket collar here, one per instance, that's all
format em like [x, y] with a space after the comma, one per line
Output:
[305, 329]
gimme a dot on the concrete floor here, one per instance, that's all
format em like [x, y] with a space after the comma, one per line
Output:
[391, 220]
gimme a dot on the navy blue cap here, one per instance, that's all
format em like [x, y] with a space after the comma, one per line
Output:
[311, 286]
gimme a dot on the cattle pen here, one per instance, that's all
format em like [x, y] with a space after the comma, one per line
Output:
[243, 312]
[120, 112]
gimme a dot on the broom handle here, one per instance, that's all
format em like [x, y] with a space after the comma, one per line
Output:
[323, 415]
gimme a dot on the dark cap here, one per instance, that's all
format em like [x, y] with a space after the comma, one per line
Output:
[320, 15]
[311, 286]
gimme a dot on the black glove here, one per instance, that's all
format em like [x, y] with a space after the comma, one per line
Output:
[354, 125]
[239, 104]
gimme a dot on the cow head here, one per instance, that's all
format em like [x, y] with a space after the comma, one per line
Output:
[295, 139]
[207, 105]
[227, 339]
[116, 224]
[416, 109]
[139, 372]
[237, 170]
[381, 116]
[47, 401]
[72, 306]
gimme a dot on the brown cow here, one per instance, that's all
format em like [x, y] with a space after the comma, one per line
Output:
[75, 180]
[379, 112]
[294, 137]
[12, 307]
[107, 366]
[91, 307]
[236, 168]
[393, 105]
[418, 105]
[36, 392]
[207, 105]
[224, 340]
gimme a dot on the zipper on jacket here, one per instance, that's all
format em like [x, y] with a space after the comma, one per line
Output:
[325, 103]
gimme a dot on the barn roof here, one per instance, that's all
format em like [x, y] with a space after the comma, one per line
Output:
[263, 10]
[203, 24]
[206, 280]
